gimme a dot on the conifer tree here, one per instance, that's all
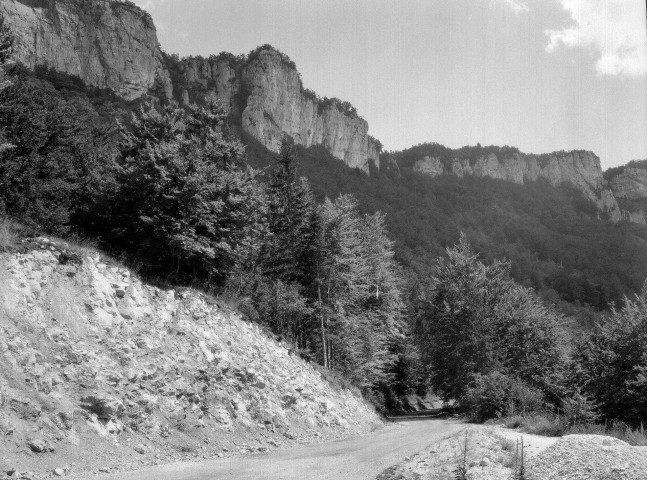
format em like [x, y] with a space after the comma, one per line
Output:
[292, 222]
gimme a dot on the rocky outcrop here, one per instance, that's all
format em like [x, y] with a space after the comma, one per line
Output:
[107, 43]
[631, 183]
[266, 96]
[113, 44]
[629, 186]
[579, 168]
[100, 369]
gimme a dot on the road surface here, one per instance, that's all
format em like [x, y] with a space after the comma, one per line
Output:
[358, 458]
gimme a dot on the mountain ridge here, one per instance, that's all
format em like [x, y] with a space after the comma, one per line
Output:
[113, 44]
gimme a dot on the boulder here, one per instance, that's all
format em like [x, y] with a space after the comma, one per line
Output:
[103, 406]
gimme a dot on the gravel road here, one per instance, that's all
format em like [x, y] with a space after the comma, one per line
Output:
[358, 458]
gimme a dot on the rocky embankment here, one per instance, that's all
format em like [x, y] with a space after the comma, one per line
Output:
[578, 168]
[100, 372]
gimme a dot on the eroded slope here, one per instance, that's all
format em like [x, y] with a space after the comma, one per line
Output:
[103, 371]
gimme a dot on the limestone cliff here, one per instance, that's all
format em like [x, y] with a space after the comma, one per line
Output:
[100, 370]
[113, 44]
[579, 168]
[629, 185]
[266, 96]
[106, 43]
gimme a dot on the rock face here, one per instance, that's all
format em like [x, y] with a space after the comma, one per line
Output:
[277, 103]
[632, 183]
[579, 168]
[107, 43]
[113, 44]
[629, 186]
[92, 358]
[266, 95]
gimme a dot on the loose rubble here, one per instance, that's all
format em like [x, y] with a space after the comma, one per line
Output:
[590, 457]
[99, 371]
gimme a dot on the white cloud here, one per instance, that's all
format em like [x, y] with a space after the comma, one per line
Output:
[517, 6]
[612, 30]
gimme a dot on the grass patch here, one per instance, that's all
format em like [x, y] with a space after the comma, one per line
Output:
[10, 234]
[557, 426]
[621, 431]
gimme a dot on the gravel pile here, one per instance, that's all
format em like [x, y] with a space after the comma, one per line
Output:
[590, 457]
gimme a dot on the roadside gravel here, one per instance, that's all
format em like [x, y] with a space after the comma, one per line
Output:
[590, 457]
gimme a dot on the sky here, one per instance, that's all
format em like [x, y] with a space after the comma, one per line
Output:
[542, 75]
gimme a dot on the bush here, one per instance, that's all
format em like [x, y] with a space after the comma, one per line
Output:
[611, 364]
[496, 395]
[183, 202]
[9, 234]
[60, 151]
[480, 328]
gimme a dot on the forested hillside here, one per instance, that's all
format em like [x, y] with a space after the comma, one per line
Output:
[393, 281]
[552, 235]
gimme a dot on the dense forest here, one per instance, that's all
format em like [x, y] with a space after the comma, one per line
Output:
[551, 235]
[499, 297]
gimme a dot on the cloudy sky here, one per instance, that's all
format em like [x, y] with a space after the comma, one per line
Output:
[542, 75]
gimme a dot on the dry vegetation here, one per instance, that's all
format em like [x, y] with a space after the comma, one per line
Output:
[557, 426]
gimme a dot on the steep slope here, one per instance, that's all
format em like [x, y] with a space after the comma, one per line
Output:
[578, 168]
[100, 370]
[108, 44]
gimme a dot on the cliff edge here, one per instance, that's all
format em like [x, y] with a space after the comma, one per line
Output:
[578, 168]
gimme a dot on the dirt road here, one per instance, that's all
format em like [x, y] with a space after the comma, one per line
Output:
[359, 458]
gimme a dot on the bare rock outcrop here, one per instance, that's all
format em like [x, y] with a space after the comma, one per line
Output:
[629, 185]
[106, 43]
[266, 95]
[113, 44]
[578, 168]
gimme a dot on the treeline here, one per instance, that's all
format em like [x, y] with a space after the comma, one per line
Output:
[171, 193]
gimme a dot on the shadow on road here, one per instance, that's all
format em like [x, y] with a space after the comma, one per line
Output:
[436, 413]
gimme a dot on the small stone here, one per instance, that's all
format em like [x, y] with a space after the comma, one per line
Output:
[141, 449]
[39, 446]
[485, 462]
[104, 469]
[59, 472]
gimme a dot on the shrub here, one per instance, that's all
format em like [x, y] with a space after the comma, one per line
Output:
[9, 234]
[183, 203]
[479, 327]
[496, 395]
